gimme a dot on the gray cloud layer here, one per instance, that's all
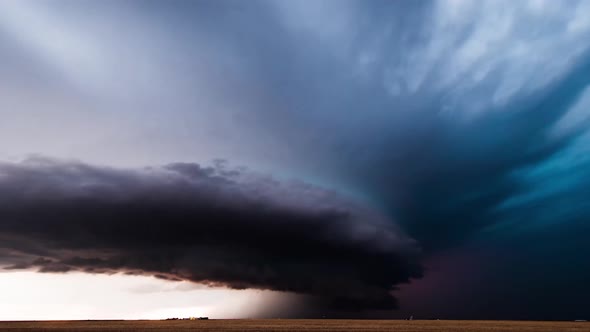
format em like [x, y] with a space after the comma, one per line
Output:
[465, 121]
[212, 225]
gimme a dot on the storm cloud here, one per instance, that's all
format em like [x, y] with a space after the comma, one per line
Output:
[463, 123]
[214, 225]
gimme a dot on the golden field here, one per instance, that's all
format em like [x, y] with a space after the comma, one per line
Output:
[325, 325]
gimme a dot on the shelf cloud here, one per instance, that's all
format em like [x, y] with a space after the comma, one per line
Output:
[213, 225]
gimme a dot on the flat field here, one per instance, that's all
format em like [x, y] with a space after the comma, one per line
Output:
[283, 325]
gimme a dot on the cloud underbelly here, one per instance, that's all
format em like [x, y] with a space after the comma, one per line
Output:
[211, 225]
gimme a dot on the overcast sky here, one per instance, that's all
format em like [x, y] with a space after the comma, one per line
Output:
[327, 152]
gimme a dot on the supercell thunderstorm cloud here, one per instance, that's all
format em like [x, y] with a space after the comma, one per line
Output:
[429, 156]
[209, 225]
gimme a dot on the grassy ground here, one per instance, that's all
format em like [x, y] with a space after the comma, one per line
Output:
[299, 325]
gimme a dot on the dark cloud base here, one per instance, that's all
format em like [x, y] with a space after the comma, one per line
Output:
[211, 225]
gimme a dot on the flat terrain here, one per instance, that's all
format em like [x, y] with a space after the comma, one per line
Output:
[298, 325]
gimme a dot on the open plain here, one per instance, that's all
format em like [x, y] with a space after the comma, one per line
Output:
[323, 325]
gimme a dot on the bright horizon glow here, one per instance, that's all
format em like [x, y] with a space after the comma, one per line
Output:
[29, 295]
